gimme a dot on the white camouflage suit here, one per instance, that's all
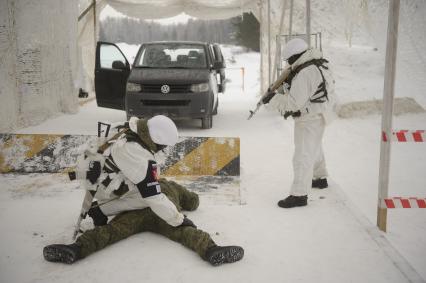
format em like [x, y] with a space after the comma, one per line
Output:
[139, 172]
[308, 159]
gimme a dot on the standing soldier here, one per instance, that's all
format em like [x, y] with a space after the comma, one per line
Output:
[308, 96]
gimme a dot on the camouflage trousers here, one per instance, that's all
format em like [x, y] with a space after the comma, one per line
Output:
[129, 223]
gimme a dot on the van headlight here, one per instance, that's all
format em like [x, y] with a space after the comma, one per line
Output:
[133, 87]
[200, 87]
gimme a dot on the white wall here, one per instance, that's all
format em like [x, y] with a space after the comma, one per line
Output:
[87, 39]
[8, 101]
[38, 55]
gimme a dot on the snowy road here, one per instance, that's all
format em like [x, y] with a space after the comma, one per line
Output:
[333, 239]
[324, 242]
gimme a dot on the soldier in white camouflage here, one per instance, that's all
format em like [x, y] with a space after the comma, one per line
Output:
[132, 222]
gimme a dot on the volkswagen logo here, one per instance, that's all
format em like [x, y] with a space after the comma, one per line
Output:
[165, 89]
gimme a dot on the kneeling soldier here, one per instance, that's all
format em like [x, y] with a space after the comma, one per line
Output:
[136, 221]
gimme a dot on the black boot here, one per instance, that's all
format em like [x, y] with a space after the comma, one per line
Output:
[62, 253]
[293, 201]
[320, 183]
[99, 218]
[217, 255]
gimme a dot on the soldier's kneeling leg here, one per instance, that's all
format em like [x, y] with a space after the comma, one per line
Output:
[190, 201]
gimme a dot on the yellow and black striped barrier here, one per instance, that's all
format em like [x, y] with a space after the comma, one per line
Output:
[191, 156]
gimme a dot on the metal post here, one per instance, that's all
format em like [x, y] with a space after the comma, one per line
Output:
[290, 26]
[242, 73]
[316, 41]
[95, 38]
[388, 96]
[308, 23]
[277, 57]
[262, 48]
[278, 43]
[269, 42]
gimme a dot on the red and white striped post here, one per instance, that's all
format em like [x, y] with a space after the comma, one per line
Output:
[399, 202]
[405, 136]
[388, 97]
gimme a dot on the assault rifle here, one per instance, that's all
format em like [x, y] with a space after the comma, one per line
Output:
[87, 202]
[89, 187]
[270, 92]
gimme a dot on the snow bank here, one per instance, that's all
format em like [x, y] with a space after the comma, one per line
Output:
[363, 108]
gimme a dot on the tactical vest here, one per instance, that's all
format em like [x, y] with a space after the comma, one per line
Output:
[321, 94]
[111, 167]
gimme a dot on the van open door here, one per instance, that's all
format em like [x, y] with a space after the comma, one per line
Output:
[221, 66]
[111, 72]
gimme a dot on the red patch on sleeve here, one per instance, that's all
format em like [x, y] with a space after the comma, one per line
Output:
[154, 172]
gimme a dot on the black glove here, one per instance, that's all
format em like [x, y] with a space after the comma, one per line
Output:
[292, 114]
[287, 114]
[187, 222]
[121, 190]
[268, 96]
[72, 175]
[296, 114]
[94, 171]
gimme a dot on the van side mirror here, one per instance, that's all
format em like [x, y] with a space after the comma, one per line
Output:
[218, 65]
[119, 65]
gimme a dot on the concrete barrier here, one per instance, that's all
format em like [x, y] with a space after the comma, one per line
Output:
[208, 166]
[191, 156]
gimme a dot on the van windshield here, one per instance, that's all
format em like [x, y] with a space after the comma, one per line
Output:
[172, 55]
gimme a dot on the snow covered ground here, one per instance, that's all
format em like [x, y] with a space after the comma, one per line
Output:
[333, 239]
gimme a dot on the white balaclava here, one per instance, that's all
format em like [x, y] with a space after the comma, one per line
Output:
[162, 130]
[293, 47]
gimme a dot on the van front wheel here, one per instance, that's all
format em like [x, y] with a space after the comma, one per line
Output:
[207, 122]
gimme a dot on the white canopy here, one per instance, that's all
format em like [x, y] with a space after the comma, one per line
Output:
[205, 9]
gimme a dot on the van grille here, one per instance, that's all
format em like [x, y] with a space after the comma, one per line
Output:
[173, 88]
[149, 102]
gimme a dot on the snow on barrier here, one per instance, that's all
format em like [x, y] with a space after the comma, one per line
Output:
[208, 166]
[191, 156]
[405, 136]
[399, 202]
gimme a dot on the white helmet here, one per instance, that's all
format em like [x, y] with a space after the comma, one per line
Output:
[162, 130]
[293, 47]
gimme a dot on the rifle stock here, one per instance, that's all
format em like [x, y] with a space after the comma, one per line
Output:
[280, 80]
[105, 145]
[87, 202]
